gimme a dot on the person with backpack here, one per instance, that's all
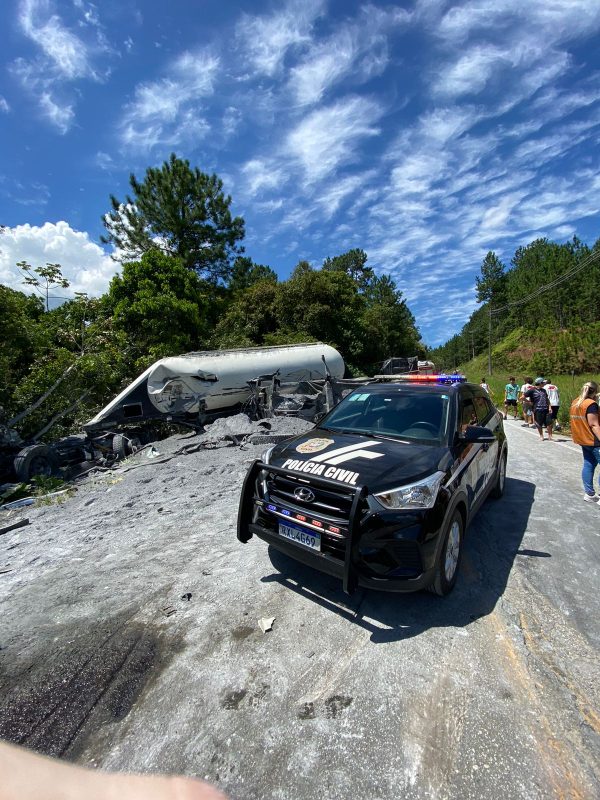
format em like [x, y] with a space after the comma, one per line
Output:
[585, 431]
[541, 408]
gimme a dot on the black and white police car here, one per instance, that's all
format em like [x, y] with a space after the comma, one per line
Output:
[381, 491]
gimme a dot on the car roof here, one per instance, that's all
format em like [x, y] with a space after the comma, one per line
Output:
[413, 386]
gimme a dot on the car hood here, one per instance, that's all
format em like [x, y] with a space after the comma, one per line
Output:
[359, 460]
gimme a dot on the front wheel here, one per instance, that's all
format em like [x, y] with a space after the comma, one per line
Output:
[446, 570]
[37, 459]
[500, 483]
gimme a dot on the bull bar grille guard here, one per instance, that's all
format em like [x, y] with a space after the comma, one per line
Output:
[248, 499]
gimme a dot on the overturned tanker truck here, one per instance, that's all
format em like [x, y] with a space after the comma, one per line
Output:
[195, 388]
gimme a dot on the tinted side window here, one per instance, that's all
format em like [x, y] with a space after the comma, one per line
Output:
[483, 408]
[468, 415]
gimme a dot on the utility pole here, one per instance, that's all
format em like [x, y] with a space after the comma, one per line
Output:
[490, 340]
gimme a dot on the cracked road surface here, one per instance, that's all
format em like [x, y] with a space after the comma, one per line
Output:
[492, 692]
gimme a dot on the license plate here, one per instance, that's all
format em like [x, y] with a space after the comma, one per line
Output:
[302, 537]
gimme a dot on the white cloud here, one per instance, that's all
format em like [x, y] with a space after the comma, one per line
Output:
[332, 196]
[553, 21]
[61, 116]
[358, 48]
[4, 107]
[265, 40]
[260, 174]
[232, 120]
[323, 66]
[84, 263]
[328, 137]
[63, 56]
[470, 74]
[167, 111]
[65, 51]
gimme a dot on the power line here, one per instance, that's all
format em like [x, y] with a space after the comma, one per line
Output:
[541, 289]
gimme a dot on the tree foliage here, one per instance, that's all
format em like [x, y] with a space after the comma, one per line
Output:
[554, 330]
[182, 212]
[160, 305]
[343, 304]
[246, 273]
[43, 279]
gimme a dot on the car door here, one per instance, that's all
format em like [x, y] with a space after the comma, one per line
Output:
[466, 453]
[487, 417]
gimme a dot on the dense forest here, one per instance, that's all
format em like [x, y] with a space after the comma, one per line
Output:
[185, 284]
[539, 315]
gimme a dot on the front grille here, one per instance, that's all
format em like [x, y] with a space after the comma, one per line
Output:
[331, 504]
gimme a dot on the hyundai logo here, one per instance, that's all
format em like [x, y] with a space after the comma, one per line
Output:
[304, 494]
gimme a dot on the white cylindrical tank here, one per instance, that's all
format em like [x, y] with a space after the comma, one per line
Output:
[220, 378]
[214, 380]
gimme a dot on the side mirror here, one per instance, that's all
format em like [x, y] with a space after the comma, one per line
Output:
[477, 434]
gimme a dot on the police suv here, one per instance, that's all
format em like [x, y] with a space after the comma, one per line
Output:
[381, 491]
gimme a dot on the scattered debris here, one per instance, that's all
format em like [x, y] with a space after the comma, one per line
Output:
[266, 623]
[26, 501]
[168, 610]
[20, 524]
[187, 596]
[152, 452]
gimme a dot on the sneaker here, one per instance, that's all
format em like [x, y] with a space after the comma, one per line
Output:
[591, 498]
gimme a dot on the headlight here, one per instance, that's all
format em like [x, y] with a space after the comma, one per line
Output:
[266, 456]
[414, 496]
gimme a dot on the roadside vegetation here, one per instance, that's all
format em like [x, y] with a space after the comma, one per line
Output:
[544, 310]
[185, 285]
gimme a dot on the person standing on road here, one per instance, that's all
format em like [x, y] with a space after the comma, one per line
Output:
[585, 430]
[511, 393]
[527, 404]
[554, 400]
[486, 387]
[541, 408]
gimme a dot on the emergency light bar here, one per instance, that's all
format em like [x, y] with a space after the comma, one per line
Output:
[442, 378]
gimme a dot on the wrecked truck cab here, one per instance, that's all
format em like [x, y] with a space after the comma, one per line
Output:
[381, 491]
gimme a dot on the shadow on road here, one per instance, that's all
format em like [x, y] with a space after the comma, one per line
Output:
[493, 542]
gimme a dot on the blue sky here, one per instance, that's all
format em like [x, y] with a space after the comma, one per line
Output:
[424, 132]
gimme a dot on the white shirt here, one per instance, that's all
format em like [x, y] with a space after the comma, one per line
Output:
[525, 388]
[485, 387]
[553, 395]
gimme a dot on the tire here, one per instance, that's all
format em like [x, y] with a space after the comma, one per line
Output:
[37, 459]
[448, 564]
[120, 446]
[500, 482]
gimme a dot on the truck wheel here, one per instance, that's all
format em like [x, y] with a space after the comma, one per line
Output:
[446, 570]
[120, 446]
[37, 459]
[498, 489]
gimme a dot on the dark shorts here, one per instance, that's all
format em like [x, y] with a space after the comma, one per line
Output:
[554, 411]
[542, 418]
[510, 402]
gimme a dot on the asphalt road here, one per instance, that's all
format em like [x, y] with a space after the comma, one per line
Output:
[492, 692]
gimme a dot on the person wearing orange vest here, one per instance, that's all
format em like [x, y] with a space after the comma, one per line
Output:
[585, 430]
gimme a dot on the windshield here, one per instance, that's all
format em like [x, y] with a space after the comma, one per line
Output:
[395, 413]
